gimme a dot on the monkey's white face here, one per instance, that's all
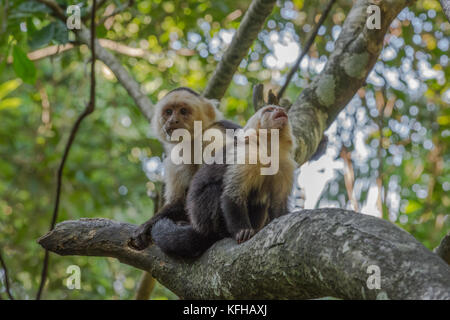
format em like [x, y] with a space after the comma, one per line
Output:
[176, 115]
[272, 117]
[179, 110]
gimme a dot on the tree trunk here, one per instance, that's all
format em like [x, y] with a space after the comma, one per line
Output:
[303, 255]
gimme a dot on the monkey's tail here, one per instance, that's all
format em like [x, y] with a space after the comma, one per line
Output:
[180, 240]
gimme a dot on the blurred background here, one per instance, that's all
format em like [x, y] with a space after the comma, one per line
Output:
[387, 154]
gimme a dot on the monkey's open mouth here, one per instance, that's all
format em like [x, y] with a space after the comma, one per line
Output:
[170, 130]
[280, 114]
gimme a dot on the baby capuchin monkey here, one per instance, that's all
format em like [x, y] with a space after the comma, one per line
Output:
[234, 200]
[178, 110]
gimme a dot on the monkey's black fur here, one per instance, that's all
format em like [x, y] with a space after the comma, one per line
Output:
[175, 211]
[195, 93]
[180, 240]
[214, 215]
[232, 200]
[204, 198]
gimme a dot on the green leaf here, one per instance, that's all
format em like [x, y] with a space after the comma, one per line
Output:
[10, 103]
[101, 31]
[61, 33]
[33, 7]
[23, 67]
[9, 86]
[3, 63]
[31, 28]
[42, 37]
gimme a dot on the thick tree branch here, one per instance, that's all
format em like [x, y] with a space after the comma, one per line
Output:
[445, 4]
[309, 254]
[247, 32]
[122, 75]
[443, 250]
[356, 52]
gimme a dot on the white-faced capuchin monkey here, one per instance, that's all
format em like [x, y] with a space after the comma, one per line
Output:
[234, 200]
[178, 110]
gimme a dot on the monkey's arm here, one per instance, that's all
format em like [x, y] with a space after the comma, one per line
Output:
[258, 215]
[174, 211]
[236, 219]
[277, 209]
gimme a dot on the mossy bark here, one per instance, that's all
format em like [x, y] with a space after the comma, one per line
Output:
[303, 255]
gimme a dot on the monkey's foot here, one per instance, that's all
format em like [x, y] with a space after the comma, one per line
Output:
[244, 235]
[142, 237]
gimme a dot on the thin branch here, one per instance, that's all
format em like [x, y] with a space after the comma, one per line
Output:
[146, 285]
[258, 96]
[303, 255]
[247, 32]
[116, 11]
[88, 110]
[89, 9]
[308, 44]
[57, 10]
[6, 279]
[147, 282]
[105, 43]
[49, 51]
[122, 75]
[349, 177]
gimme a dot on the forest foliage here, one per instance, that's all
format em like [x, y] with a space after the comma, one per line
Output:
[392, 139]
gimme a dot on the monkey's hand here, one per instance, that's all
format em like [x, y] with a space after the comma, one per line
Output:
[244, 235]
[142, 237]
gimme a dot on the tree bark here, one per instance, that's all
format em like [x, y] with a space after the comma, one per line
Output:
[248, 30]
[443, 250]
[356, 51]
[445, 4]
[303, 255]
[309, 254]
[146, 286]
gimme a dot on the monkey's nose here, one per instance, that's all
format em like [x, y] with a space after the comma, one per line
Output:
[280, 113]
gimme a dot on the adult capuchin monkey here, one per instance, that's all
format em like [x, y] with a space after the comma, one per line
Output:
[235, 200]
[178, 110]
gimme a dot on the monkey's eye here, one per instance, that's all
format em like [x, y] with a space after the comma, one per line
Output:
[184, 111]
[168, 112]
[269, 109]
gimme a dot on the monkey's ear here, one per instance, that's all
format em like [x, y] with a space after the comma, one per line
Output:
[273, 99]
[258, 96]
